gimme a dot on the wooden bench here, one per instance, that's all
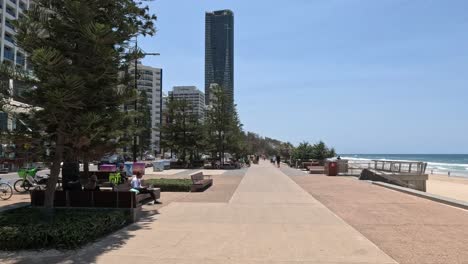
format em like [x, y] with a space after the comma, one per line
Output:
[199, 183]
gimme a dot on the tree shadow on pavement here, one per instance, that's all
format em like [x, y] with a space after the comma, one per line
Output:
[88, 253]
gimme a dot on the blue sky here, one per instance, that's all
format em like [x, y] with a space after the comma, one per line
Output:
[365, 76]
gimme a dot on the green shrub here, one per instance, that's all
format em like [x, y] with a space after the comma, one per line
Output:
[25, 228]
[171, 185]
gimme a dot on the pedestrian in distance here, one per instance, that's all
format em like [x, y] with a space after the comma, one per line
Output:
[278, 160]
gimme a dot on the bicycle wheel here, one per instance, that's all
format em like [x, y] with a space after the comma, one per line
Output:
[21, 186]
[5, 191]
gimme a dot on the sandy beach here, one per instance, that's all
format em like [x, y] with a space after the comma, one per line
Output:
[452, 187]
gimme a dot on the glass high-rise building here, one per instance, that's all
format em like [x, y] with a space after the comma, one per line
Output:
[219, 52]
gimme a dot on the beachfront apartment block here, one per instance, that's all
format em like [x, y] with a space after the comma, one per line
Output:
[10, 53]
[149, 79]
[194, 97]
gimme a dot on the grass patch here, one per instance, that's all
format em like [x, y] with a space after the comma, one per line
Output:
[171, 185]
[25, 228]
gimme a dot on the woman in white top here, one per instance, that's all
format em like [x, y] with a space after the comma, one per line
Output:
[136, 184]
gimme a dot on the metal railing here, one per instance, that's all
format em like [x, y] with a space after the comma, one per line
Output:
[355, 167]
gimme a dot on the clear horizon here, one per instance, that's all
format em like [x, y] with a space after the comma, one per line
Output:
[364, 76]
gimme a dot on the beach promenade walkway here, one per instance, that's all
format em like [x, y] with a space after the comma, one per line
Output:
[269, 219]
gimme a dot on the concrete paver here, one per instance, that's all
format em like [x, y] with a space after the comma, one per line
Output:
[221, 191]
[16, 200]
[410, 229]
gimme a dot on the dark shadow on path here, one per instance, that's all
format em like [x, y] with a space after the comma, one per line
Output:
[88, 253]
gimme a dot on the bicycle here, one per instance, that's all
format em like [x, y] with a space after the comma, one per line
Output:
[23, 184]
[6, 191]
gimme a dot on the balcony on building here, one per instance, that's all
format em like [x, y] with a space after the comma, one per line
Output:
[9, 24]
[9, 54]
[20, 59]
[9, 38]
[11, 11]
[22, 5]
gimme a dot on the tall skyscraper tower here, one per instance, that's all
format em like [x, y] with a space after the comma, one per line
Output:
[219, 52]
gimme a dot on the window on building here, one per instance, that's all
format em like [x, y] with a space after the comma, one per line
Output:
[3, 121]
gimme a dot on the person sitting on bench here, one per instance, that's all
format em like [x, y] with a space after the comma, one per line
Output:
[123, 173]
[92, 184]
[136, 184]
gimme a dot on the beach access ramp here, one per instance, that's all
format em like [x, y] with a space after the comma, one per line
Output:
[410, 174]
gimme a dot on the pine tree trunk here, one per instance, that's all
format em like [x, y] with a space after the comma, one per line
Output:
[86, 165]
[54, 174]
[86, 175]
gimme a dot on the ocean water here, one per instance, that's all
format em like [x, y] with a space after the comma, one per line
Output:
[456, 164]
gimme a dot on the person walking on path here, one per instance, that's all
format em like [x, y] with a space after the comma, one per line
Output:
[278, 160]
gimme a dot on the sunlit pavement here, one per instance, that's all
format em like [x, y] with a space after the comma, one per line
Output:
[269, 219]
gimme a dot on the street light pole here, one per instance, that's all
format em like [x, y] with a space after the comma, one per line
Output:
[136, 92]
[136, 101]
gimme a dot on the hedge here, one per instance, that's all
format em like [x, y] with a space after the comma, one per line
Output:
[26, 228]
[171, 185]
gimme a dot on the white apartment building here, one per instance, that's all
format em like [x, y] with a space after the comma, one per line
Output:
[11, 10]
[193, 96]
[10, 53]
[150, 81]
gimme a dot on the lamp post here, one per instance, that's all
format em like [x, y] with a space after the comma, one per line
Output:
[136, 75]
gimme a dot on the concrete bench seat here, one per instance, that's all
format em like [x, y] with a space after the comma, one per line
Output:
[316, 169]
[199, 183]
[90, 199]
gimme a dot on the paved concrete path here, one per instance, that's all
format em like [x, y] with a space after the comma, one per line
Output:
[269, 219]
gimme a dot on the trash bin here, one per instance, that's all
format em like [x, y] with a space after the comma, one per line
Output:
[158, 165]
[108, 167]
[139, 167]
[128, 168]
[331, 168]
[167, 164]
